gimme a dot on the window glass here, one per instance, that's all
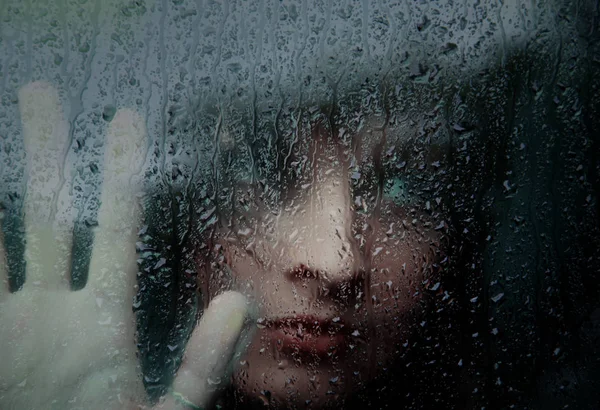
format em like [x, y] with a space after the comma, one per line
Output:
[402, 195]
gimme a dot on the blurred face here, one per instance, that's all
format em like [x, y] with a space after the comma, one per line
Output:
[337, 286]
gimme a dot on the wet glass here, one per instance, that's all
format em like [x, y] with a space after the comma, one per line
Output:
[404, 192]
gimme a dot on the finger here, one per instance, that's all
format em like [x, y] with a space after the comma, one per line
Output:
[48, 209]
[210, 349]
[113, 262]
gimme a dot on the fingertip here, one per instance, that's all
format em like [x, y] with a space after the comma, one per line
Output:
[224, 319]
[230, 298]
[35, 88]
[126, 141]
[124, 156]
[41, 115]
[35, 95]
[212, 346]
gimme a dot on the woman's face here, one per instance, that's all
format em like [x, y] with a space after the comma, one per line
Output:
[338, 287]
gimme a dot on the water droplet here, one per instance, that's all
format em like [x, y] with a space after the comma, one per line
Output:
[213, 382]
[109, 112]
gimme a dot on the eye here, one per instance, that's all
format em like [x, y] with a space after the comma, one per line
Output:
[396, 190]
[400, 184]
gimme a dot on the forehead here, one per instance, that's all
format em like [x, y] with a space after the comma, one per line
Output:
[343, 140]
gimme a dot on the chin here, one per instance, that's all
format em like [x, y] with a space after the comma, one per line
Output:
[279, 374]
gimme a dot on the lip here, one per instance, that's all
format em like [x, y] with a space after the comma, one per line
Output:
[307, 335]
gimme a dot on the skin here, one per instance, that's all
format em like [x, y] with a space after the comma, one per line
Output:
[318, 257]
[76, 350]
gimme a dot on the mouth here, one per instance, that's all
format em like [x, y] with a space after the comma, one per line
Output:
[307, 335]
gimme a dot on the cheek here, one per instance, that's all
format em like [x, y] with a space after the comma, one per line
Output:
[214, 273]
[233, 268]
[396, 291]
[398, 260]
[400, 264]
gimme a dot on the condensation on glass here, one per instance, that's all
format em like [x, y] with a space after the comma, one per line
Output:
[422, 174]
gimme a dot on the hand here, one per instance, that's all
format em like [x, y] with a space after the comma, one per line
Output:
[61, 349]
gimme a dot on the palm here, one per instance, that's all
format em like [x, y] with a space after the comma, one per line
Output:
[64, 349]
[61, 343]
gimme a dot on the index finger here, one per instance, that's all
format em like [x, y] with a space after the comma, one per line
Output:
[209, 351]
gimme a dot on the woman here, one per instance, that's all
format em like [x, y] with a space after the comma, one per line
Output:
[408, 207]
[337, 235]
[339, 266]
[415, 208]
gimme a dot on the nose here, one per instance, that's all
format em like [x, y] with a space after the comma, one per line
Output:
[318, 232]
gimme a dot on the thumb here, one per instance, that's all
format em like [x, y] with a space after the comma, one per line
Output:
[208, 352]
